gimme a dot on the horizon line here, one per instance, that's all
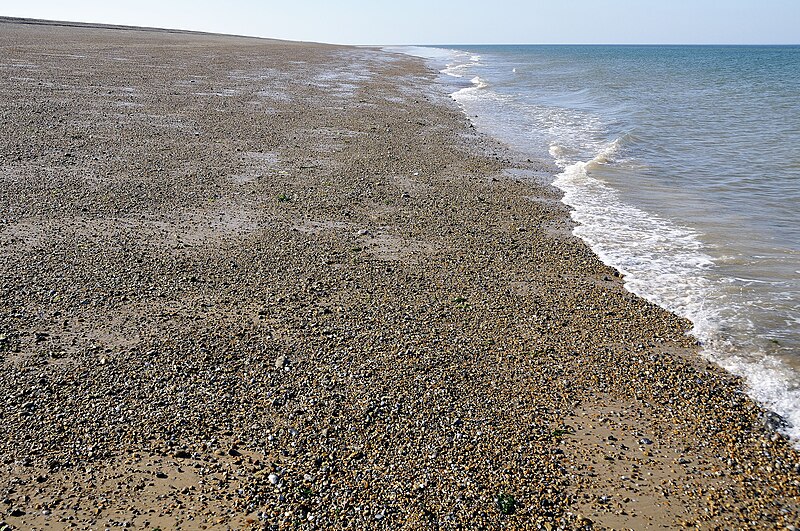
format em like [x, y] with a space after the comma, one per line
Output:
[129, 27]
[595, 44]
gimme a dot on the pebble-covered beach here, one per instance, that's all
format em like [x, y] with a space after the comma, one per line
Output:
[252, 284]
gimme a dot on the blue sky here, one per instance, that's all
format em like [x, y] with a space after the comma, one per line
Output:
[449, 22]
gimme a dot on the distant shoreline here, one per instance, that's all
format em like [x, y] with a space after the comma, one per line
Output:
[122, 27]
[97, 25]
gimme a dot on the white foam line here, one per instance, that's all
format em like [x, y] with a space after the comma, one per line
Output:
[665, 264]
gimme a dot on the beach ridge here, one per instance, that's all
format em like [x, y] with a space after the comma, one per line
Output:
[268, 285]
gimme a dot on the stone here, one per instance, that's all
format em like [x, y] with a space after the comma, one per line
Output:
[773, 421]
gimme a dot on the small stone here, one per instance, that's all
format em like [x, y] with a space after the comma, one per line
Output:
[181, 454]
[161, 475]
[17, 512]
[273, 478]
[645, 440]
[773, 421]
[281, 362]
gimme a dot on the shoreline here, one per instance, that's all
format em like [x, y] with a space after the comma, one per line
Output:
[678, 250]
[265, 284]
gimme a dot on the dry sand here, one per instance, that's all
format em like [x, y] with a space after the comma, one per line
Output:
[258, 284]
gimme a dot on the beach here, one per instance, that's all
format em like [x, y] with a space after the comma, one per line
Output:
[262, 284]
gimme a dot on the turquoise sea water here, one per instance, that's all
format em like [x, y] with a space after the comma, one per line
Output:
[682, 165]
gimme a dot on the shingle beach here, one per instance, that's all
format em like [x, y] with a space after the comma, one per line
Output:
[253, 284]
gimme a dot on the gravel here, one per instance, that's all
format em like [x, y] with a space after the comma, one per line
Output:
[250, 283]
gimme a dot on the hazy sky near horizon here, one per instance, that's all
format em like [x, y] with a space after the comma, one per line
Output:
[449, 22]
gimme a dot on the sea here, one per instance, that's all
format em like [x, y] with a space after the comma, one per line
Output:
[682, 168]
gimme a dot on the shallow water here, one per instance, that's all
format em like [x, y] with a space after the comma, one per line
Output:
[683, 168]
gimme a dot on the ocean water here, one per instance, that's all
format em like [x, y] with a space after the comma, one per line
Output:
[682, 166]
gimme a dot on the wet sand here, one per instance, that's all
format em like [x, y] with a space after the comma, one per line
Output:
[259, 284]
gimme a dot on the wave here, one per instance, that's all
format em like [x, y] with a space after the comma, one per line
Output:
[477, 84]
[665, 263]
[460, 62]
[652, 252]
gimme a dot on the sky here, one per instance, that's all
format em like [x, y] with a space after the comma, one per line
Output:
[448, 22]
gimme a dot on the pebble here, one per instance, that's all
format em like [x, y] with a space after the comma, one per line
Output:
[773, 421]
